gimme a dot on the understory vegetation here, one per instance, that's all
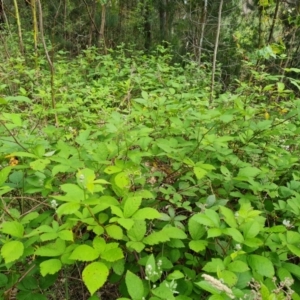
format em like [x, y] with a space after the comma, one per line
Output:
[136, 183]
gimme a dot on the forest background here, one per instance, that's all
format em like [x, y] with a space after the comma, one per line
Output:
[149, 149]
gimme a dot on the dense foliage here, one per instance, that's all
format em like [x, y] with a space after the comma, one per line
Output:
[149, 150]
[142, 188]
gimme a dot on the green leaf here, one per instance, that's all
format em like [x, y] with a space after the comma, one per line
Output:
[131, 205]
[229, 217]
[253, 243]
[126, 223]
[294, 249]
[292, 268]
[66, 235]
[3, 280]
[19, 99]
[163, 292]
[196, 230]
[238, 266]
[146, 213]
[112, 252]
[137, 246]
[39, 164]
[251, 229]
[293, 237]
[249, 172]
[214, 232]
[99, 244]
[137, 231]
[261, 265]
[50, 266]
[12, 250]
[199, 172]
[67, 208]
[52, 249]
[117, 211]
[85, 179]
[207, 287]
[94, 276]
[112, 170]
[234, 233]
[74, 192]
[114, 231]
[84, 253]
[13, 228]
[134, 286]
[156, 238]
[209, 218]
[122, 180]
[4, 174]
[174, 233]
[228, 277]
[198, 246]
[215, 265]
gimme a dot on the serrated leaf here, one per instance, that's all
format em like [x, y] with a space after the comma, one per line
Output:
[52, 249]
[146, 213]
[74, 192]
[99, 244]
[137, 246]
[126, 223]
[234, 233]
[156, 238]
[67, 208]
[122, 180]
[261, 265]
[12, 250]
[229, 217]
[66, 235]
[134, 286]
[50, 266]
[94, 276]
[84, 253]
[238, 266]
[112, 254]
[198, 246]
[112, 170]
[196, 229]
[137, 231]
[199, 172]
[13, 228]
[228, 277]
[4, 174]
[249, 172]
[117, 211]
[39, 164]
[214, 232]
[131, 205]
[251, 229]
[174, 233]
[114, 231]
[294, 249]
[216, 264]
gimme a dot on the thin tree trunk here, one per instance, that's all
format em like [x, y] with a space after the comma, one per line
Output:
[147, 25]
[216, 52]
[35, 26]
[50, 63]
[204, 16]
[101, 40]
[21, 45]
[274, 21]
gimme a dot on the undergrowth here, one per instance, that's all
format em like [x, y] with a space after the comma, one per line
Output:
[145, 190]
